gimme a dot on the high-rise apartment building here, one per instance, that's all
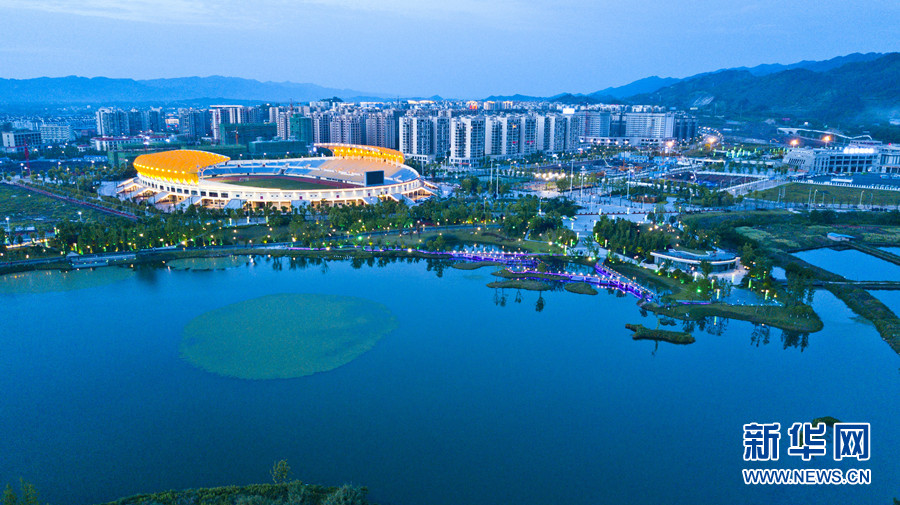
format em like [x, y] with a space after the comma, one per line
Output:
[154, 120]
[301, 129]
[194, 123]
[467, 140]
[112, 122]
[230, 114]
[653, 125]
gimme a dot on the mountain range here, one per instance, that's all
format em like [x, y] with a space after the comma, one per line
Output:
[103, 90]
[867, 90]
[858, 86]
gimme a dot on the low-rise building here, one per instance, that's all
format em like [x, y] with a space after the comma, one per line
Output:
[719, 261]
[17, 141]
[56, 133]
[848, 160]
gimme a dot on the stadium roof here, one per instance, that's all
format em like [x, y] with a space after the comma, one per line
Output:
[361, 151]
[179, 165]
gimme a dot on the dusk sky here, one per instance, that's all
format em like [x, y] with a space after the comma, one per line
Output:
[454, 48]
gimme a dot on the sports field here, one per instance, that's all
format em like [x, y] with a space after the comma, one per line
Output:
[286, 183]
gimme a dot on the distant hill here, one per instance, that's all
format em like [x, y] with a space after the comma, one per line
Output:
[862, 90]
[648, 85]
[103, 90]
[515, 98]
[853, 87]
[815, 66]
[579, 99]
[645, 85]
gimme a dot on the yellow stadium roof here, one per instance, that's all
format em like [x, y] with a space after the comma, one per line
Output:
[361, 151]
[181, 165]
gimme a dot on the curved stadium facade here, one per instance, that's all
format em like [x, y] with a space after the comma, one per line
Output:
[353, 175]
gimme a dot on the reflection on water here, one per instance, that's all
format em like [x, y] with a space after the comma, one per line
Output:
[478, 397]
[44, 281]
[779, 274]
[211, 263]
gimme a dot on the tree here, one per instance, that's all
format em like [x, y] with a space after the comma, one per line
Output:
[29, 493]
[9, 496]
[347, 495]
[280, 472]
[539, 305]
[706, 268]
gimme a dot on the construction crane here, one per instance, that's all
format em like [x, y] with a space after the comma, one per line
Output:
[27, 161]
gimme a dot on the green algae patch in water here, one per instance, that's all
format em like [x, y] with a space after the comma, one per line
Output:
[285, 336]
[45, 281]
[211, 263]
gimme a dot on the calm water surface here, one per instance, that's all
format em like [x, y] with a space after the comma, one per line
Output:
[852, 264]
[469, 401]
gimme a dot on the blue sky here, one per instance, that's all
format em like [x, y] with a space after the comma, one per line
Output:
[454, 48]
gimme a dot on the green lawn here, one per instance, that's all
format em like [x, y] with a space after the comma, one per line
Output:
[285, 183]
[26, 208]
[799, 193]
[650, 278]
[784, 231]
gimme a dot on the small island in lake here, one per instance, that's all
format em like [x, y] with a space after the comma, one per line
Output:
[673, 337]
[526, 284]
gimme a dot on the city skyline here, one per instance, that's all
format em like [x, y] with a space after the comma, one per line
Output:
[426, 48]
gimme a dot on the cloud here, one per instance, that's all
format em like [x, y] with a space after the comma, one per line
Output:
[241, 14]
[148, 11]
[477, 9]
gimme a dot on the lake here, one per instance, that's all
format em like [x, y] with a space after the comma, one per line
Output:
[852, 264]
[474, 398]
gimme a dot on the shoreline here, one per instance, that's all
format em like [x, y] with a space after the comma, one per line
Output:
[687, 313]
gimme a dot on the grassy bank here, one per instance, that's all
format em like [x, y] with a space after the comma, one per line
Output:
[257, 494]
[779, 317]
[874, 251]
[863, 303]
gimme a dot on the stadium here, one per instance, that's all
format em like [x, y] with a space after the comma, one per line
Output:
[351, 175]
